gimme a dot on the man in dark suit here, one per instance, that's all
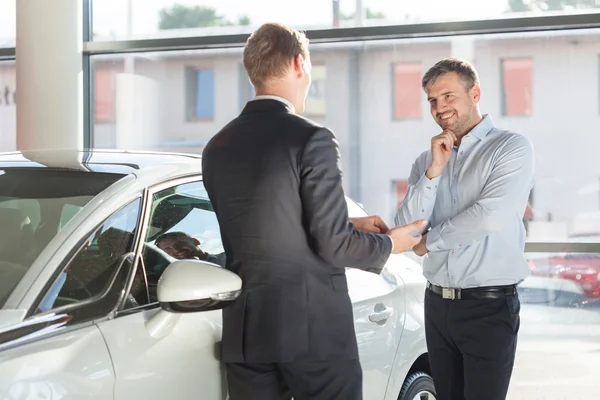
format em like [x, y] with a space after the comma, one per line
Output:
[275, 182]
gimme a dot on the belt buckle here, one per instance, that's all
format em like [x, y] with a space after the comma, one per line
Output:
[450, 293]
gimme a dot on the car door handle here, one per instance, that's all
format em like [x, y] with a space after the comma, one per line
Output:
[379, 317]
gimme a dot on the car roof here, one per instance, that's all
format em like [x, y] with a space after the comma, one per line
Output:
[100, 160]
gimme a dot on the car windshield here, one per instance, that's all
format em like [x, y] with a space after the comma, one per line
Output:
[35, 204]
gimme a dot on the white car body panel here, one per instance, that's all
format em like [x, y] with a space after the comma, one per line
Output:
[118, 358]
[74, 364]
[182, 365]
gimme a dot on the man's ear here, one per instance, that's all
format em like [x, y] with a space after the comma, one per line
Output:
[196, 241]
[298, 65]
[475, 93]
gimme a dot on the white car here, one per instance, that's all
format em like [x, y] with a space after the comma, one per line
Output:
[91, 308]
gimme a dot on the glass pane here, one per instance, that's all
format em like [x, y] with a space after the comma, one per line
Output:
[8, 104]
[30, 203]
[560, 328]
[183, 223]
[143, 19]
[367, 93]
[92, 269]
[183, 226]
[8, 23]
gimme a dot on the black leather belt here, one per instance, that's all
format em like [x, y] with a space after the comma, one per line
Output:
[478, 293]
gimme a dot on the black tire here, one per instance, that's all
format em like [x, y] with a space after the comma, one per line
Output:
[418, 383]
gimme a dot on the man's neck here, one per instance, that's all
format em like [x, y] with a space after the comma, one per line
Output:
[470, 127]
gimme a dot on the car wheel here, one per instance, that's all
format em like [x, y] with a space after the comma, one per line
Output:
[418, 386]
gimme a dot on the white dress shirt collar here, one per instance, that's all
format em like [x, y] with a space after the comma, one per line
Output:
[281, 99]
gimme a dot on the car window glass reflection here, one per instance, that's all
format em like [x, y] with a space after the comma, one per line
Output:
[182, 226]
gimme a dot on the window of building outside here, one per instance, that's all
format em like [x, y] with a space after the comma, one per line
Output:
[517, 90]
[406, 78]
[200, 90]
[105, 83]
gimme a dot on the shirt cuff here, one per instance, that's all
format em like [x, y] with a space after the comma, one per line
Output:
[434, 240]
[392, 241]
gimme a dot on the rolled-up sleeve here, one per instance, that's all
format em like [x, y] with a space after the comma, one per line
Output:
[420, 196]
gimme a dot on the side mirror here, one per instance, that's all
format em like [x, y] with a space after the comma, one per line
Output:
[193, 286]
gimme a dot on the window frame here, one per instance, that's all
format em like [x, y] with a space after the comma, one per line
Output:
[144, 220]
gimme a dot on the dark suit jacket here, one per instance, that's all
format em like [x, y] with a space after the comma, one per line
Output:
[275, 182]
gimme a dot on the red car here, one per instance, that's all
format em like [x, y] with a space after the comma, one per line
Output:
[582, 268]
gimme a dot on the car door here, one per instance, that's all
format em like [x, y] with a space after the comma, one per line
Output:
[379, 312]
[182, 360]
[58, 352]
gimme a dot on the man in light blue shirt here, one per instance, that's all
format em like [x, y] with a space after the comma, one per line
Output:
[472, 186]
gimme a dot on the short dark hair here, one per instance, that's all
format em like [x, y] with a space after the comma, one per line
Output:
[465, 70]
[173, 236]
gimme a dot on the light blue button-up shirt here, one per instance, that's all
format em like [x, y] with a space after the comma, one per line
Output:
[475, 209]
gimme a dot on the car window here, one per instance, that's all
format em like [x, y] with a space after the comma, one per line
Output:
[68, 212]
[182, 225]
[32, 211]
[91, 270]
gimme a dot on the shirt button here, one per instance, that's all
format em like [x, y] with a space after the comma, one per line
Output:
[461, 153]
[454, 201]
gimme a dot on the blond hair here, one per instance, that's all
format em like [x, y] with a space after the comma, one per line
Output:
[269, 50]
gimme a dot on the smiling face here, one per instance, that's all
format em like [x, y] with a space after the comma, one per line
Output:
[453, 106]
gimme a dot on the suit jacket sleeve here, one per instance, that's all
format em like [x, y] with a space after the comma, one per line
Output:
[326, 213]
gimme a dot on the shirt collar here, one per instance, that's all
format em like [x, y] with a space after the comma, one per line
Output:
[281, 99]
[484, 127]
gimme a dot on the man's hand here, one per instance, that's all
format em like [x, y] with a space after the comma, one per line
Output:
[370, 224]
[441, 150]
[401, 236]
[421, 248]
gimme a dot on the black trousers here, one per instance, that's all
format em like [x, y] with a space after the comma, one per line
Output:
[332, 380]
[471, 345]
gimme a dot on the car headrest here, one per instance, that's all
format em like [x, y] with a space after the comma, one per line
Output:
[114, 242]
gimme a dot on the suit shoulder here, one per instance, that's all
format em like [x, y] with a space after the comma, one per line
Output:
[303, 122]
